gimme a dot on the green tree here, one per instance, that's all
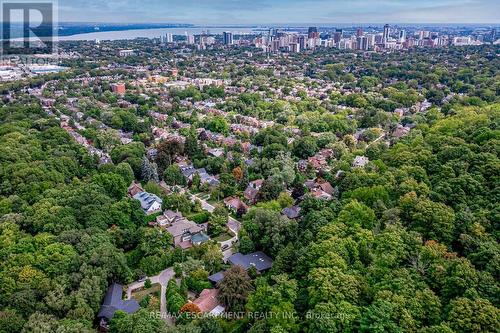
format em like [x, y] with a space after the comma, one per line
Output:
[234, 288]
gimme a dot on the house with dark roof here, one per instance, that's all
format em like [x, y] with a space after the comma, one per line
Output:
[113, 302]
[259, 260]
[189, 171]
[216, 278]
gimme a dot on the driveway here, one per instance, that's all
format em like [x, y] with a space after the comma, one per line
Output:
[162, 279]
[234, 225]
[226, 254]
[204, 204]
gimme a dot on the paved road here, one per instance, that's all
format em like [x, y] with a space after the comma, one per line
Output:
[226, 254]
[234, 225]
[204, 204]
[376, 140]
[162, 279]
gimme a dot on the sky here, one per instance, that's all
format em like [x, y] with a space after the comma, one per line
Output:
[245, 12]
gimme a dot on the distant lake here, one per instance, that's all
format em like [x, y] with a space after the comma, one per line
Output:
[153, 33]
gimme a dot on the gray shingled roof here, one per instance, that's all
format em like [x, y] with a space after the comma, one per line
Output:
[215, 278]
[113, 302]
[258, 259]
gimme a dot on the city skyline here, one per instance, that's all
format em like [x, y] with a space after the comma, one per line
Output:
[233, 12]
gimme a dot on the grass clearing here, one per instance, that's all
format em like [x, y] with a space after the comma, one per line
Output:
[139, 294]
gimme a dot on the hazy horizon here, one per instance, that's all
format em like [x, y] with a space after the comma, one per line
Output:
[291, 24]
[276, 12]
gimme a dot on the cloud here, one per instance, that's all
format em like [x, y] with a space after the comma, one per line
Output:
[215, 12]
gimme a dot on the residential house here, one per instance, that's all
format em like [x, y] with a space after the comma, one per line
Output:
[134, 189]
[400, 131]
[360, 161]
[208, 302]
[206, 178]
[187, 233]
[320, 160]
[113, 302]
[216, 278]
[252, 190]
[320, 189]
[259, 260]
[150, 203]
[167, 218]
[216, 152]
[188, 170]
[235, 204]
[291, 212]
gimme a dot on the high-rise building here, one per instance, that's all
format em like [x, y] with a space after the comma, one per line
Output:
[337, 36]
[493, 35]
[303, 42]
[462, 41]
[294, 47]
[169, 38]
[313, 32]
[227, 38]
[424, 34]
[402, 36]
[362, 43]
[370, 41]
[190, 39]
[359, 32]
[275, 45]
[387, 32]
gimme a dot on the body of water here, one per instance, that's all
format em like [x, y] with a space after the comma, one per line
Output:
[152, 33]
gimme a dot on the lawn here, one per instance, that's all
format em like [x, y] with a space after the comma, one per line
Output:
[139, 294]
[222, 238]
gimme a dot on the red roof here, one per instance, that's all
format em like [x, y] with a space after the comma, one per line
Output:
[207, 300]
[327, 188]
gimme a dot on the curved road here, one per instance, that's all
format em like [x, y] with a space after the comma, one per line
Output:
[162, 279]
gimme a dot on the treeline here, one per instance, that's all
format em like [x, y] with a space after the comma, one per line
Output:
[410, 246]
[67, 228]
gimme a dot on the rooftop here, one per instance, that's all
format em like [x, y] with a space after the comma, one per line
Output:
[147, 199]
[257, 259]
[113, 302]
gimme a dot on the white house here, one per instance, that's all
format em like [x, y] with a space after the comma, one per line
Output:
[150, 203]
